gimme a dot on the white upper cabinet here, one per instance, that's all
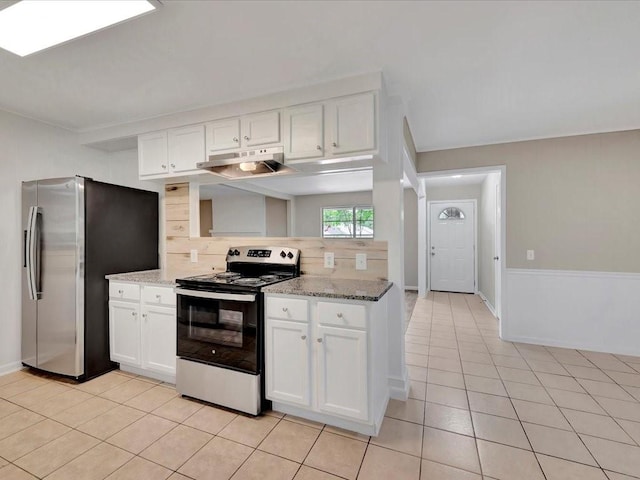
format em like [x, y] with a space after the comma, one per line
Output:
[243, 132]
[186, 148]
[260, 129]
[153, 153]
[171, 151]
[304, 132]
[223, 135]
[352, 124]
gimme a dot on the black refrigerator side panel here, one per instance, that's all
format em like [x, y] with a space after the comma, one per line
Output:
[121, 236]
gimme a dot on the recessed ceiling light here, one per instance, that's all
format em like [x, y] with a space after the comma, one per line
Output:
[33, 25]
[456, 176]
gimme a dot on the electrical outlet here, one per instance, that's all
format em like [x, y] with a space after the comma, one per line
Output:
[361, 261]
[329, 260]
[531, 255]
[194, 256]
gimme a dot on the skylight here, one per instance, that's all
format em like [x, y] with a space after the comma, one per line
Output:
[33, 25]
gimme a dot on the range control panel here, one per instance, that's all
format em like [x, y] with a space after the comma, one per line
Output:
[274, 255]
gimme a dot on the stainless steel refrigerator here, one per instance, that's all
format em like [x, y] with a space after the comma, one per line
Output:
[76, 231]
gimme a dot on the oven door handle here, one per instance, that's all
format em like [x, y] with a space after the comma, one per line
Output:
[248, 297]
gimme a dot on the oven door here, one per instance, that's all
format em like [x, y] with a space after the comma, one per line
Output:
[219, 328]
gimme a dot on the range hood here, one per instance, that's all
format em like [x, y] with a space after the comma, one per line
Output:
[251, 163]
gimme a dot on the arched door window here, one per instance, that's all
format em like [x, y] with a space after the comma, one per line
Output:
[451, 213]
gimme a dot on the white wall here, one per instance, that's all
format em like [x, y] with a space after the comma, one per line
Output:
[32, 150]
[487, 238]
[308, 210]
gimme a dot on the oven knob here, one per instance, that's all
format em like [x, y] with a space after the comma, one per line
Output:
[230, 253]
[236, 252]
[282, 254]
[290, 255]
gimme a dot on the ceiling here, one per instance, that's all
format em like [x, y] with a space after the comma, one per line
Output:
[470, 73]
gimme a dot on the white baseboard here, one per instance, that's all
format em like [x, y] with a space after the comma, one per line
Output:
[10, 367]
[595, 311]
[399, 387]
[487, 303]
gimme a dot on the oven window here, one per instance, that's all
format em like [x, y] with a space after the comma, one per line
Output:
[222, 326]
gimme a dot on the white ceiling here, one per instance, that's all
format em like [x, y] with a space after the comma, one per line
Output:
[470, 72]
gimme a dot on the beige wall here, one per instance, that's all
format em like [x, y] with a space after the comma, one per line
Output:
[276, 217]
[458, 192]
[206, 217]
[574, 200]
[410, 238]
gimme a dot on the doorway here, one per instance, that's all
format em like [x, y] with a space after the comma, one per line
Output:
[452, 245]
[490, 245]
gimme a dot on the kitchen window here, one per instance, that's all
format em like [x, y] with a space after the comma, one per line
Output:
[347, 222]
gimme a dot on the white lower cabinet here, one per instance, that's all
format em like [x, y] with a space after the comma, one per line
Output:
[327, 360]
[142, 329]
[124, 331]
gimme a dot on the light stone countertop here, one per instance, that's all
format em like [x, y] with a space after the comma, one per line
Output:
[149, 277]
[366, 290]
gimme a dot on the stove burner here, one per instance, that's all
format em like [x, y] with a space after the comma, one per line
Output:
[269, 278]
[247, 281]
[228, 275]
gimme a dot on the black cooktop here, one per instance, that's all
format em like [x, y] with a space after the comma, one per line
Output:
[233, 281]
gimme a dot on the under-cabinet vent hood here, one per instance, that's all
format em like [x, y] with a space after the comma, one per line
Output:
[252, 163]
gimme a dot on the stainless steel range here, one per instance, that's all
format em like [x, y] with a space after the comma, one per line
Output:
[221, 327]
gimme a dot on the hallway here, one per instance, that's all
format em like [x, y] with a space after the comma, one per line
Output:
[482, 406]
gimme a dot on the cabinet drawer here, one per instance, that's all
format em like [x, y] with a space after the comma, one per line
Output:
[287, 308]
[124, 291]
[159, 295]
[342, 315]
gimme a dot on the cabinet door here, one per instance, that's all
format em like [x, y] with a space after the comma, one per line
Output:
[153, 153]
[304, 132]
[342, 372]
[186, 148]
[159, 339]
[223, 135]
[352, 124]
[124, 332]
[287, 362]
[260, 129]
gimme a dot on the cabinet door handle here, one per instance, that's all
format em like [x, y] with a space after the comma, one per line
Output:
[235, 139]
[133, 314]
[173, 165]
[164, 166]
[285, 309]
[334, 144]
[158, 296]
[339, 314]
[246, 138]
[144, 315]
[303, 337]
[319, 147]
[120, 292]
[319, 340]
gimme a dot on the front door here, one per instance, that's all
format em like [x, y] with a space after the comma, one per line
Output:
[452, 246]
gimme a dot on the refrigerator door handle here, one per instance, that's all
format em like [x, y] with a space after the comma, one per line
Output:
[33, 253]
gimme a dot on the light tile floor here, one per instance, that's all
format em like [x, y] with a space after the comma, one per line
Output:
[478, 408]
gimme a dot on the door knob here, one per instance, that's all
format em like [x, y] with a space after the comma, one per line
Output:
[496, 258]
[433, 254]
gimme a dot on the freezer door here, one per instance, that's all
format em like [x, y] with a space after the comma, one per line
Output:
[60, 324]
[29, 304]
